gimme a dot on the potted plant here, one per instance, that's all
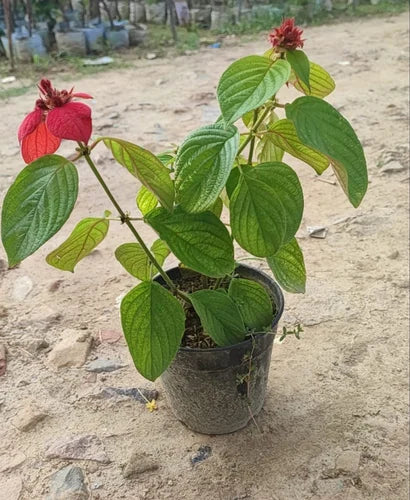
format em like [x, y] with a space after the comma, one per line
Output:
[206, 326]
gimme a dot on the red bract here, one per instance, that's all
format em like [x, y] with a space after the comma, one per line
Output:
[55, 117]
[287, 36]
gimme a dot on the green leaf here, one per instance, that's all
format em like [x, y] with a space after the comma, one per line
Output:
[266, 149]
[134, 259]
[146, 167]
[232, 182]
[219, 316]
[320, 126]
[203, 164]
[86, 235]
[200, 241]
[266, 208]
[321, 83]
[146, 201]
[288, 267]
[248, 83]
[37, 205]
[283, 135]
[153, 322]
[217, 207]
[300, 65]
[166, 158]
[253, 302]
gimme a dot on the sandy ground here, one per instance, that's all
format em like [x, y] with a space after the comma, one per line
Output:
[334, 425]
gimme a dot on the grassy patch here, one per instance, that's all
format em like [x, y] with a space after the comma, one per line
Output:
[14, 92]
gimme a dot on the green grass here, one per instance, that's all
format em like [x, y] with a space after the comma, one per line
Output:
[14, 92]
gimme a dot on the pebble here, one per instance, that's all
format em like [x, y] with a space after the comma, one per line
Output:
[87, 447]
[28, 417]
[72, 350]
[393, 167]
[348, 461]
[8, 463]
[394, 255]
[69, 483]
[139, 394]
[317, 231]
[103, 365]
[10, 489]
[202, 454]
[138, 463]
[22, 288]
[110, 336]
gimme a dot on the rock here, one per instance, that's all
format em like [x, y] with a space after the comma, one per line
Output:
[88, 447]
[72, 350]
[10, 489]
[393, 167]
[394, 255]
[202, 454]
[139, 394]
[8, 463]
[103, 365]
[35, 345]
[348, 461]
[110, 336]
[317, 231]
[138, 463]
[22, 288]
[3, 359]
[69, 483]
[28, 417]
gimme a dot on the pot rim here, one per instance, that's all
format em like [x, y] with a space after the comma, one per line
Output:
[280, 307]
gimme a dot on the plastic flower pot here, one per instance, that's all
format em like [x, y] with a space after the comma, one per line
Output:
[25, 48]
[219, 390]
[94, 38]
[117, 39]
[72, 43]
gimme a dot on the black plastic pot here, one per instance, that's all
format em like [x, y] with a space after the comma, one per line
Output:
[219, 390]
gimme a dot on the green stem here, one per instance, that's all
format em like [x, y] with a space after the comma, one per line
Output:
[126, 220]
[253, 130]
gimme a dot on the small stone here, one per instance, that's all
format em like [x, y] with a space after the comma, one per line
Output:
[8, 463]
[72, 350]
[10, 489]
[138, 463]
[393, 167]
[22, 288]
[110, 336]
[317, 231]
[55, 285]
[69, 484]
[88, 447]
[348, 461]
[28, 417]
[202, 454]
[103, 365]
[394, 255]
[35, 345]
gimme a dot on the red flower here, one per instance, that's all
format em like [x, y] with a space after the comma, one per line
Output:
[55, 117]
[287, 36]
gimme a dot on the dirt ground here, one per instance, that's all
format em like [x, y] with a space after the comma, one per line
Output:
[334, 425]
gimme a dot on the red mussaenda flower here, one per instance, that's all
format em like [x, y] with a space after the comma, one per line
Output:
[56, 116]
[287, 36]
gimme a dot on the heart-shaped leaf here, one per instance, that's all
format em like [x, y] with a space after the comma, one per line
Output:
[248, 83]
[288, 267]
[320, 126]
[86, 235]
[37, 205]
[219, 315]
[266, 208]
[146, 167]
[300, 65]
[320, 82]
[203, 164]
[153, 322]
[253, 302]
[200, 241]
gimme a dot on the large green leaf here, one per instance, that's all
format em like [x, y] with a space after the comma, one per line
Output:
[199, 241]
[219, 315]
[300, 65]
[203, 164]
[266, 208]
[321, 83]
[146, 167]
[37, 205]
[253, 302]
[320, 126]
[146, 201]
[248, 83]
[288, 267]
[283, 135]
[153, 322]
[86, 235]
[134, 259]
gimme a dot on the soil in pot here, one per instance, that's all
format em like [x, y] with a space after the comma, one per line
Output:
[218, 390]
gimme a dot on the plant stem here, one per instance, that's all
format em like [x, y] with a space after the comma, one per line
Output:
[125, 219]
[254, 128]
